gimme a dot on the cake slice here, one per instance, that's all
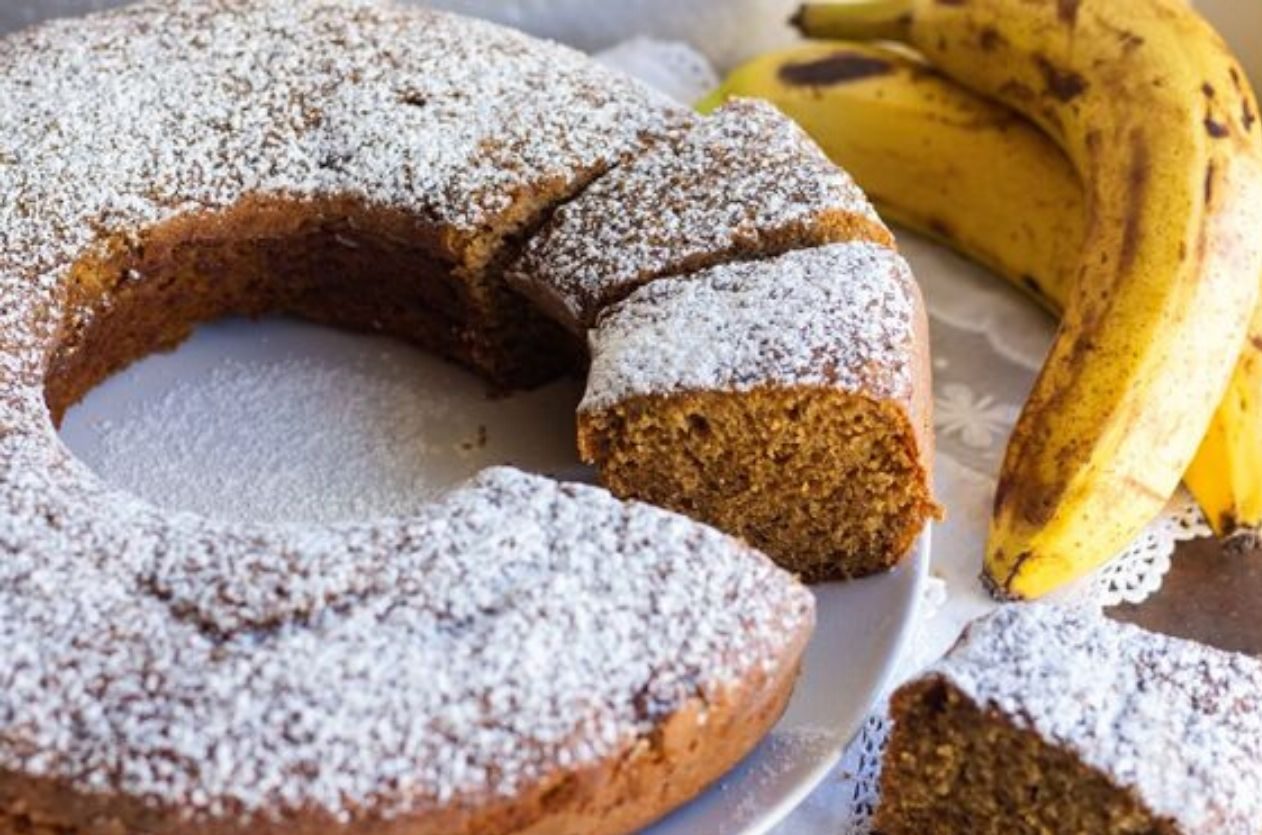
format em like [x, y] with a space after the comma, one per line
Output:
[1053, 720]
[745, 183]
[785, 401]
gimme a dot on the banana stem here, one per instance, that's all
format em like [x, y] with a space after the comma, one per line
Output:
[855, 20]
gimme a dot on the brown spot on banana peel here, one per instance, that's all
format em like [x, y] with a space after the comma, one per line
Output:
[1067, 11]
[1016, 91]
[1128, 39]
[1032, 284]
[1256, 342]
[989, 39]
[1216, 129]
[1210, 171]
[838, 68]
[1011, 579]
[1034, 503]
[995, 589]
[940, 228]
[1062, 84]
[1247, 116]
[1138, 176]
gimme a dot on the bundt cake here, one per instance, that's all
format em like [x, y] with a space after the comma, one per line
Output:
[1048, 720]
[783, 400]
[745, 183]
[525, 656]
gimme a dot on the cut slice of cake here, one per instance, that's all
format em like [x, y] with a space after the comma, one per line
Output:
[745, 183]
[785, 401]
[1050, 720]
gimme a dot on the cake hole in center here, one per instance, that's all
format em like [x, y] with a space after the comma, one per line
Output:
[285, 421]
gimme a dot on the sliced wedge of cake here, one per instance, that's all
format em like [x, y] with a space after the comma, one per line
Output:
[1057, 721]
[783, 400]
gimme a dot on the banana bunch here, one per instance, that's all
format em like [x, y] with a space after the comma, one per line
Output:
[1105, 155]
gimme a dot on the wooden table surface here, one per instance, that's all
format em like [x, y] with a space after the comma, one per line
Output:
[1212, 595]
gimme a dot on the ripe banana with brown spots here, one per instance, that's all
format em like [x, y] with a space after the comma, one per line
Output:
[1156, 119]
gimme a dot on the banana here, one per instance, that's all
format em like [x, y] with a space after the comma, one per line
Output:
[1155, 117]
[865, 20]
[971, 173]
[1226, 474]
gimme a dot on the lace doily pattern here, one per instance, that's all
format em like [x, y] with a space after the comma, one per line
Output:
[1137, 573]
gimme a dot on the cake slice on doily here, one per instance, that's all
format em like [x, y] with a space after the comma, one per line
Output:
[1048, 719]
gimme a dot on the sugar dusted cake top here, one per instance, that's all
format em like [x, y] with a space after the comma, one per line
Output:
[844, 316]
[744, 182]
[452, 119]
[232, 670]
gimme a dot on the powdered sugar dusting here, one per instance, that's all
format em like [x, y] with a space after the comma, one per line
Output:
[514, 626]
[842, 316]
[211, 669]
[309, 448]
[737, 184]
[1177, 722]
[451, 119]
[293, 422]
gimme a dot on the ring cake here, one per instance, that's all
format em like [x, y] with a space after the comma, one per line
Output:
[524, 656]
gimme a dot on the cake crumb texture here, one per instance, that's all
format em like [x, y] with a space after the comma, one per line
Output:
[782, 400]
[1053, 719]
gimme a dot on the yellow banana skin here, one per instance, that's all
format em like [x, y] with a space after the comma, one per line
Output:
[939, 159]
[1154, 114]
[1226, 474]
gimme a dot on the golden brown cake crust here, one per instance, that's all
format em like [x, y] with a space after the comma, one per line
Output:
[625, 792]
